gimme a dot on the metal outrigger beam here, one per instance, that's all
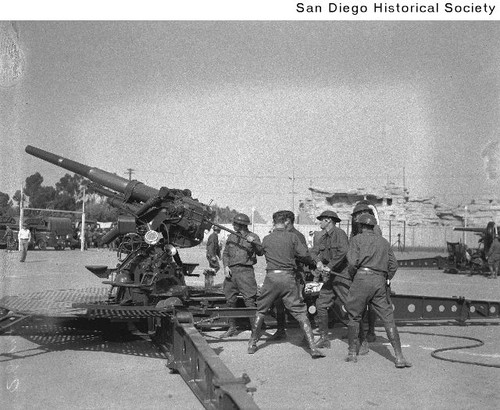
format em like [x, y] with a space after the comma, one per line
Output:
[424, 308]
[11, 319]
[208, 377]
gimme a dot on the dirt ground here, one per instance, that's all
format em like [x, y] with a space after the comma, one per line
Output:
[52, 365]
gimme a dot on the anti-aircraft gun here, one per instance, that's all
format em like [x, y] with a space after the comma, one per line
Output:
[472, 260]
[148, 285]
[161, 221]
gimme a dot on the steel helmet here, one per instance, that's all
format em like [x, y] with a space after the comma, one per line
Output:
[362, 207]
[367, 219]
[241, 219]
[329, 214]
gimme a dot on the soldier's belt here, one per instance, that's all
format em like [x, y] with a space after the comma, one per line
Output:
[376, 272]
[279, 271]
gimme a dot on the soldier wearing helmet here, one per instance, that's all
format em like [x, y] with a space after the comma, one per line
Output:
[330, 254]
[300, 271]
[361, 208]
[238, 259]
[371, 258]
[282, 248]
[367, 333]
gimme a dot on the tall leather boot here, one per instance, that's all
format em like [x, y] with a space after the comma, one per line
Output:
[323, 341]
[393, 336]
[363, 343]
[280, 333]
[352, 337]
[256, 327]
[307, 329]
[372, 319]
[232, 331]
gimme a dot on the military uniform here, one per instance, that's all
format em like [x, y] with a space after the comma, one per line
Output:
[331, 250]
[493, 257]
[281, 248]
[372, 259]
[301, 272]
[9, 239]
[213, 251]
[367, 333]
[239, 255]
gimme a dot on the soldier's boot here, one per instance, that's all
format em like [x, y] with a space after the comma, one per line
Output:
[393, 336]
[372, 319]
[232, 331]
[323, 341]
[363, 343]
[307, 329]
[256, 328]
[280, 333]
[352, 337]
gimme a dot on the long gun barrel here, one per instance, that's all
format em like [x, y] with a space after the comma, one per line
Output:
[134, 190]
[173, 212]
[477, 230]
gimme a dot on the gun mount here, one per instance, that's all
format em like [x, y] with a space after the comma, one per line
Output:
[160, 221]
[461, 258]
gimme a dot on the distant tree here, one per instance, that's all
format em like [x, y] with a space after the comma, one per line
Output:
[101, 212]
[43, 198]
[64, 202]
[5, 203]
[71, 185]
[69, 191]
[33, 184]
[17, 198]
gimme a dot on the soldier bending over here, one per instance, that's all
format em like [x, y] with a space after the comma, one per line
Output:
[281, 248]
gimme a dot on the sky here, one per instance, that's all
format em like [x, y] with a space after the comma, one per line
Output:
[244, 113]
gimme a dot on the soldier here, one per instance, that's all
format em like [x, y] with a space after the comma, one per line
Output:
[330, 255]
[24, 237]
[280, 333]
[361, 208]
[371, 258]
[281, 249]
[9, 239]
[493, 258]
[238, 259]
[213, 249]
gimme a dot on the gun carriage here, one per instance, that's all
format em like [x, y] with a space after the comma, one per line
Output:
[461, 258]
[148, 284]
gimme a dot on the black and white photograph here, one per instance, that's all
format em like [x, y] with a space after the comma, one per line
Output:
[251, 211]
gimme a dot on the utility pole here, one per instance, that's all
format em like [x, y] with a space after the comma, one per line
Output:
[21, 214]
[82, 230]
[292, 178]
[130, 171]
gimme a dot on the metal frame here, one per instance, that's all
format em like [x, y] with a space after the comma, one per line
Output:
[187, 351]
[190, 355]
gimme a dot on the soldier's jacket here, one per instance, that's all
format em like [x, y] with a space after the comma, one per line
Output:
[331, 249]
[238, 251]
[494, 251]
[372, 251]
[213, 248]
